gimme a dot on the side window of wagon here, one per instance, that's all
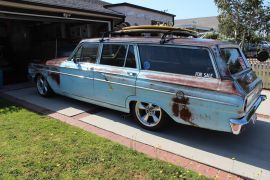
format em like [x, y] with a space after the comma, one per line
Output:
[89, 53]
[113, 55]
[86, 53]
[178, 60]
[118, 55]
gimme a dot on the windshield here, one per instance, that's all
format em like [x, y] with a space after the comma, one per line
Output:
[234, 60]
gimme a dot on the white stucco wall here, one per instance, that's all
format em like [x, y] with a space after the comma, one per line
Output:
[136, 16]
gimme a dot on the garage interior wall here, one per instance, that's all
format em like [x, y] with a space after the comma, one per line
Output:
[32, 39]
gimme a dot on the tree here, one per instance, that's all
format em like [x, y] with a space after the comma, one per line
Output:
[241, 19]
[265, 16]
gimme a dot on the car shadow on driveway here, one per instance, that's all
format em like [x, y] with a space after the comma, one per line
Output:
[251, 147]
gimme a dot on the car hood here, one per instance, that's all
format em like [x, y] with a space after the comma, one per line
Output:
[56, 62]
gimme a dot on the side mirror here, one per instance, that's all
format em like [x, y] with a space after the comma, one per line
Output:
[263, 56]
[76, 60]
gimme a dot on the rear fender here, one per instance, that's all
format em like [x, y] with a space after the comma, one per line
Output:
[145, 100]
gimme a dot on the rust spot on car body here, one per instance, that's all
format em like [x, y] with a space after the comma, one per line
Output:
[180, 109]
[110, 70]
[55, 77]
[175, 109]
[56, 62]
[223, 86]
[185, 114]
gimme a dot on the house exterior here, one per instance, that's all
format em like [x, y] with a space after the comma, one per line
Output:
[138, 15]
[203, 24]
[38, 30]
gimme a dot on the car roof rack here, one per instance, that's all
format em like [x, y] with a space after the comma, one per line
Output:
[165, 30]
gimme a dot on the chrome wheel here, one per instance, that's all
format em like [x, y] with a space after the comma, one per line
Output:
[148, 114]
[42, 86]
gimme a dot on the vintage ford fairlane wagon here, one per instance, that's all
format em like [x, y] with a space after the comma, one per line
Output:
[203, 83]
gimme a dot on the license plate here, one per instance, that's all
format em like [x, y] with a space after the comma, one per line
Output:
[254, 118]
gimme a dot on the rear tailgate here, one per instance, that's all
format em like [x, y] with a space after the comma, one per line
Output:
[252, 86]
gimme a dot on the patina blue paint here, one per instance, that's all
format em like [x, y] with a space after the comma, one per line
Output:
[211, 103]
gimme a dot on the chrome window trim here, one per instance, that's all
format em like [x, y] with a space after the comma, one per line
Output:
[209, 50]
[214, 63]
[126, 57]
[138, 57]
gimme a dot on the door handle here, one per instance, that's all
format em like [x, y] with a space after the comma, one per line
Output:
[132, 74]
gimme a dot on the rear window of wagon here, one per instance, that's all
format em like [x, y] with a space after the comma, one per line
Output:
[234, 60]
[177, 60]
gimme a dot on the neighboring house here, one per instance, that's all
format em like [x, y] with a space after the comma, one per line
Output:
[204, 24]
[138, 15]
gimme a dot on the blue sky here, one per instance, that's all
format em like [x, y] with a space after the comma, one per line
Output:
[183, 9]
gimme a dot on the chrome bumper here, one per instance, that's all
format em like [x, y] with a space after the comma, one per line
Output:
[238, 124]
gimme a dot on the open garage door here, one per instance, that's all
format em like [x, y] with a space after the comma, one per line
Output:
[26, 38]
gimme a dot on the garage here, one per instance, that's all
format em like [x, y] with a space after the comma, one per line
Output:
[38, 30]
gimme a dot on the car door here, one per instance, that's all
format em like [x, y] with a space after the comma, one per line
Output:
[115, 76]
[77, 74]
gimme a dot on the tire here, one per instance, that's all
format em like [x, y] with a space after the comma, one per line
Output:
[43, 87]
[149, 116]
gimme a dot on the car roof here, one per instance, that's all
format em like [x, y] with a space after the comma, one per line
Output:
[155, 40]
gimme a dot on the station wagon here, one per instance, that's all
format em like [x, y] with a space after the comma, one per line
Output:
[202, 83]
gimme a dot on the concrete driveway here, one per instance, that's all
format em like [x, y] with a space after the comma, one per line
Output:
[247, 155]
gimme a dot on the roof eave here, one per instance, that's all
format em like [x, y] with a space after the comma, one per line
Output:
[69, 8]
[139, 7]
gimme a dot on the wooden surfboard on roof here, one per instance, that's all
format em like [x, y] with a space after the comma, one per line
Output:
[156, 29]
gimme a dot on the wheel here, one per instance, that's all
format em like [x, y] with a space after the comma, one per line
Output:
[43, 87]
[149, 116]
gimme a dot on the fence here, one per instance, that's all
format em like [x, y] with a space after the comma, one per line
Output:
[262, 70]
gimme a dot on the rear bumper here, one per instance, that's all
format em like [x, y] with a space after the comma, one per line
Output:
[237, 125]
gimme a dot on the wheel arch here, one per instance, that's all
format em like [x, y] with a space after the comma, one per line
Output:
[133, 99]
[36, 76]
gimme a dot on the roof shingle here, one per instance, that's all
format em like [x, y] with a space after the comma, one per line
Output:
[88, 5]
